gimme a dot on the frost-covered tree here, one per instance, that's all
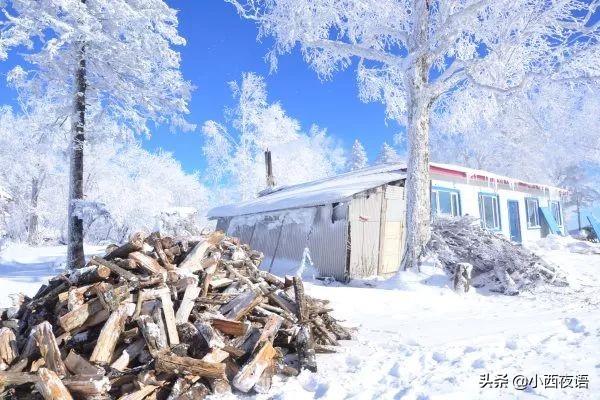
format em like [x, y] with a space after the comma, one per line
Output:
[387, 154]
[415, 55]
[358, 157]
[117, 55]
[235, 155]
[583, 182]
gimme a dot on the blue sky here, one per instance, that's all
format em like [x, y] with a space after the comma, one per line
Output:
[221, 46]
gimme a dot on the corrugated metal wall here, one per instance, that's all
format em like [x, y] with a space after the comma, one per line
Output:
[283, 239]
[328, 241]
[365, 218]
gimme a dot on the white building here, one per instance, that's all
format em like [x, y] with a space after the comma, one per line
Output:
[353, 225]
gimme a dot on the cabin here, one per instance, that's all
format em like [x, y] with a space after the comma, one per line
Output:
[353, 225]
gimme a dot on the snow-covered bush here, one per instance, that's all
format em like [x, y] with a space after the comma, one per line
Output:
[498, 264]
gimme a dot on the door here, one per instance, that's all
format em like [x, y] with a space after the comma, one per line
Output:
[514, 221]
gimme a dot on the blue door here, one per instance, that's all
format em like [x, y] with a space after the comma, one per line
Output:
[514, 221]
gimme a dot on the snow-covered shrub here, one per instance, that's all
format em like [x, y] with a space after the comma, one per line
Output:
[498, 264]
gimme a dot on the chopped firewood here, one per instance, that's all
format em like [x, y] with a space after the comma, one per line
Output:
[78, 365]
[50, 386]
[192, 292]
[154, 319]
[140, 394]
[229, 327]
[135, 243]
[241, 305]
[128, 354]
[8, 346]
[77, 317]
[189, 366]
[304, 340]
[46, 342]
[87, 386]
[148, 263]
[253, 369]
[105, 345]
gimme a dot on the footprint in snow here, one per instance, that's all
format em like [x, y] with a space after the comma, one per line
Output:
[478, 364]
[439, 357]
[575, 325]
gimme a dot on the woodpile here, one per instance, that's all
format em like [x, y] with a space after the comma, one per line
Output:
[461, 244]
[163, 318]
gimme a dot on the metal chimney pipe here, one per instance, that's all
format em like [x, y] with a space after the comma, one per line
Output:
[269, 169]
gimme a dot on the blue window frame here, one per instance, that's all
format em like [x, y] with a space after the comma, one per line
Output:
[445, 201]
[555, 207]
[532, 206]
[489, 211]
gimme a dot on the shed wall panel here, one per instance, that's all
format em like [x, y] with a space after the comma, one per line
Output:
[328, 244]
[393, 231]
[365, 217]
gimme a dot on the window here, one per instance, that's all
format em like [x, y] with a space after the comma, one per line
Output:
[555, 208]
[445, 202]
[533, 213]
[489, 211]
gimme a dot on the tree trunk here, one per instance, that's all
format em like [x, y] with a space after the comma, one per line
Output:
[579, 215]
[418, 211]
[33, 215]
[75, 255]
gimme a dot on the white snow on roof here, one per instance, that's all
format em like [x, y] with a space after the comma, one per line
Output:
[342, 187]
[325, 191]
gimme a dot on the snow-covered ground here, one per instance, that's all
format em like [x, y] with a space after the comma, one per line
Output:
[417, 339]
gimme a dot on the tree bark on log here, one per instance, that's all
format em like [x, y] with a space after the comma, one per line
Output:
[189, 366]
[46, 342]
[304, 340]
[51, 387]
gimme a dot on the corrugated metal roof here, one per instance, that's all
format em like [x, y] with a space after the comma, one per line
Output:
[325, 191]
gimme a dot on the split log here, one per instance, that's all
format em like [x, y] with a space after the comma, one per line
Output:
[229, 327]
[135, 243]
[90, 274]
[88, 386]
[241, 305]
[266, 379]
[49, 350]
[194, 257]
[109, 335]
[80, 366]
[50, 386]
[123, 273]
[160, 252]
[16, 379]
[197, 391]
[140, 394]
[128, 355]
[192, 292]
[251, 372]
[111, 297]
[169, 314]
[147, 263]
[220, 283]
[188, 366]
[304, 341]
[8, 346]
[212, 337]
[151, 333]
